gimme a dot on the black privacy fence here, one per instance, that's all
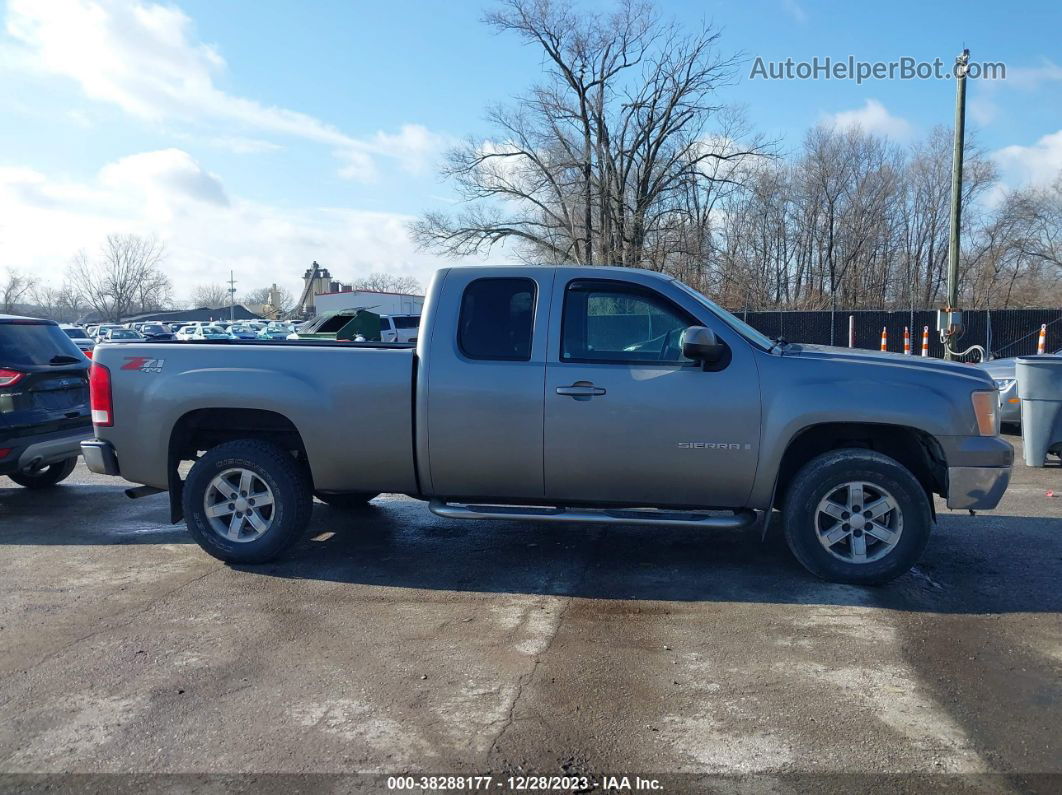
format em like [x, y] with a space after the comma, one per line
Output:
[1004, 332]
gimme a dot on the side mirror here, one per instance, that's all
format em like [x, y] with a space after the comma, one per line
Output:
[701, 345]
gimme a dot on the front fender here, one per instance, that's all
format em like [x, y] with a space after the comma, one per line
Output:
[791, 408]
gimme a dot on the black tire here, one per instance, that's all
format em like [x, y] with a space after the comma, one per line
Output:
[823, 476]
[347, 501]
[47, 476]
[291, 509]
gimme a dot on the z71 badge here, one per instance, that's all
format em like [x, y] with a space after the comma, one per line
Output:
[143, 364]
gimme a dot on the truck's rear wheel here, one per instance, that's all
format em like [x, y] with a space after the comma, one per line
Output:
[247, 501]
[349, 500]
[45, 476]
[856, 516]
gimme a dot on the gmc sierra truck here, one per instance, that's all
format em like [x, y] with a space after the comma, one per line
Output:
[557, 394]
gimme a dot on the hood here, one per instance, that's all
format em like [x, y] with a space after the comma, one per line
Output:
[914, 364]
[1000, 368]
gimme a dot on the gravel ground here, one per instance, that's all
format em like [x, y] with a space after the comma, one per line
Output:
[392, 641]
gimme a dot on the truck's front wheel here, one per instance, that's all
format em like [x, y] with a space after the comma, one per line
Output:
[856, 516]
[247, 501]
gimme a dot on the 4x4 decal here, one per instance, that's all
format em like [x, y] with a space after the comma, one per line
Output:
[143, 364]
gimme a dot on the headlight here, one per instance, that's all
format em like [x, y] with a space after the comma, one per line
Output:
[1003, 384]
[984, 406]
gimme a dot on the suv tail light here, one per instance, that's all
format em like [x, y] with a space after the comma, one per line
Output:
[100, 395]
[10, 377]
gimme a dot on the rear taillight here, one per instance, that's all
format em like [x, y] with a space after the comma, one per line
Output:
[10, 377]
[5, 452]
[100, 395]
[88, 353]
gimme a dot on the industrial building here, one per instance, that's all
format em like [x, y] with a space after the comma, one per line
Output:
[322, 293]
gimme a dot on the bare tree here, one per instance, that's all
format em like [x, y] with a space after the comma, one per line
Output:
[63, 304]
[211, 296]
[612, 159]
[13, 288]
[124, 279]
[389, 283]
[1018, 257]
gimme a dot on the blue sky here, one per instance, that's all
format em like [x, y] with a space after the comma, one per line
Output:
[262, 135]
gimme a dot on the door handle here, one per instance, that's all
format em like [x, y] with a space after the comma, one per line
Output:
[580, 389]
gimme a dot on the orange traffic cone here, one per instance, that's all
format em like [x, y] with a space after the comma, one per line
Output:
[925, 340]
[1041, 346]
[906, 341]
[884, 339]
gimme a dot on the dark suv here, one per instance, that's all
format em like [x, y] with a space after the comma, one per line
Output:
[44, 401]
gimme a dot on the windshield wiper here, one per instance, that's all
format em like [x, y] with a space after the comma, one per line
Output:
[779, 342]
[62, 358]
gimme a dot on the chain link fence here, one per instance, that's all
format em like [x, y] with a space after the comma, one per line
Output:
[1003, 332]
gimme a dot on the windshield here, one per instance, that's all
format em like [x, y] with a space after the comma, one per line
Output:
[123, 334]
[76, 333]
[740, 326]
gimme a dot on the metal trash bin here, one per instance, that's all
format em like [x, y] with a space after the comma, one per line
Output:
[1040, 390]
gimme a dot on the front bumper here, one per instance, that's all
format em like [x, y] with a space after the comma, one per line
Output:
[1009, 403]
[100, 457]
[977, 488]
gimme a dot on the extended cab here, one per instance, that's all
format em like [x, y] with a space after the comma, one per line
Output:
[606, 395]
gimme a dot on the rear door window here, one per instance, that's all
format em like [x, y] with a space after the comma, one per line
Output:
[496, 320]
[23, 343]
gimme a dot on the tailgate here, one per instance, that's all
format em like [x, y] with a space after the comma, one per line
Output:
[45, 387]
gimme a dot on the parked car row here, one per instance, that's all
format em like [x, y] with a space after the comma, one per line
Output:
[359, 325]
[247, 330]
[393, 328]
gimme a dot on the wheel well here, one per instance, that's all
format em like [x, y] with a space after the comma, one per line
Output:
[915, 449]
[203, 429]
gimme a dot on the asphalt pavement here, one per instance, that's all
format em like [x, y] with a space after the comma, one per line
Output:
[395, 642]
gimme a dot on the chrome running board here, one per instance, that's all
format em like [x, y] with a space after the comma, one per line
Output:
[738, 520]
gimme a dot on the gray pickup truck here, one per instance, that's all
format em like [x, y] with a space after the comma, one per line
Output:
[549, 394]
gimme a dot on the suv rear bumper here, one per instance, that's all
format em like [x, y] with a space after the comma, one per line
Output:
[32, 452]
[100, 457]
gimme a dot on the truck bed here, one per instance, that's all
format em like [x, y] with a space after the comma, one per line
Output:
[350, 403]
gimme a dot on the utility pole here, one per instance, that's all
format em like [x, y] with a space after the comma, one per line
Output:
[232, 297]
[950, 321]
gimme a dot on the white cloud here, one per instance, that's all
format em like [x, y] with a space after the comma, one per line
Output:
[144, 58]
[875, 118]
[207, 232]
[983, 111]
[1029, 78]
[1038, 164]
[239, 145]
[795, 10]
[164, 177]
